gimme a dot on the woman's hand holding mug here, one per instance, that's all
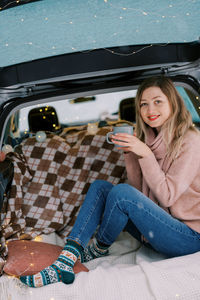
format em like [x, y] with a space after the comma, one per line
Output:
[111, 136]
[123, 138]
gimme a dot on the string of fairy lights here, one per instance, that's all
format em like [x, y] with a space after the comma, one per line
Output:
[144, 12]
[14, 2]
[19, 2]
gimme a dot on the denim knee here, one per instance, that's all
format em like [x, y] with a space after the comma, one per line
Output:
[99, 188]
[123, 189]
[122, 193]
[98, 183]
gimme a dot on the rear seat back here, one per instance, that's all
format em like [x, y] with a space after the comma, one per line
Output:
[43, 118]
[127, 109]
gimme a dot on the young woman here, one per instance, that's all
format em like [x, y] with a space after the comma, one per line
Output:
[161, 203]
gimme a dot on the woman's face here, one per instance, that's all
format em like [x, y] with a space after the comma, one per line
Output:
[154, 107]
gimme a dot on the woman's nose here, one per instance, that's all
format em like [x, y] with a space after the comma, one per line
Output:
[150, 108]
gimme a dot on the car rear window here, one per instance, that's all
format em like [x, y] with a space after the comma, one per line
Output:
[69, 112]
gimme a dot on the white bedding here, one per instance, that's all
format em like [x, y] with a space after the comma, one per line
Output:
[131, 272]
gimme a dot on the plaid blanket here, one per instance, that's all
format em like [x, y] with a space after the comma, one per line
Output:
[51, 179]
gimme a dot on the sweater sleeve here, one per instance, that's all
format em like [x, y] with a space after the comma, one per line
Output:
[168, 187]
[133, 170]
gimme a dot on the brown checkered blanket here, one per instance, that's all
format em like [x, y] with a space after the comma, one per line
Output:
[51, 179]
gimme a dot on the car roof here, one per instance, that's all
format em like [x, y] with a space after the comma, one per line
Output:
[48, 28]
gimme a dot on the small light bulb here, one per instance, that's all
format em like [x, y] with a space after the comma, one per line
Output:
[38, 238]
[40, 136]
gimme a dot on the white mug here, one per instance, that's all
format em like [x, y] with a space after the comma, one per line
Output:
[119, 129]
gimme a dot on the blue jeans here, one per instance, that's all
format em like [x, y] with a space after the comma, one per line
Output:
[115, 208]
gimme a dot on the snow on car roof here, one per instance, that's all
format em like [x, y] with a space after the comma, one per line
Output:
[47, 28]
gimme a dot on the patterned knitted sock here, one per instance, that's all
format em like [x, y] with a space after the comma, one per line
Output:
[60, 270]
[94, 250]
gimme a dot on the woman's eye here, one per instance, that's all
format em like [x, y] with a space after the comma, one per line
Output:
[143, 104]
[158, 101]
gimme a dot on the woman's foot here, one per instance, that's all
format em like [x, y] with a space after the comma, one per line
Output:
[94, 250]
[60, 270]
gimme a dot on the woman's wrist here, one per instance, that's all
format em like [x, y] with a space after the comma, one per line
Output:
[146, 153]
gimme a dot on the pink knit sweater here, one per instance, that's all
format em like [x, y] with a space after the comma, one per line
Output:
[174, 185]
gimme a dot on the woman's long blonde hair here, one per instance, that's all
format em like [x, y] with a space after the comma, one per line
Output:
[178, 123]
